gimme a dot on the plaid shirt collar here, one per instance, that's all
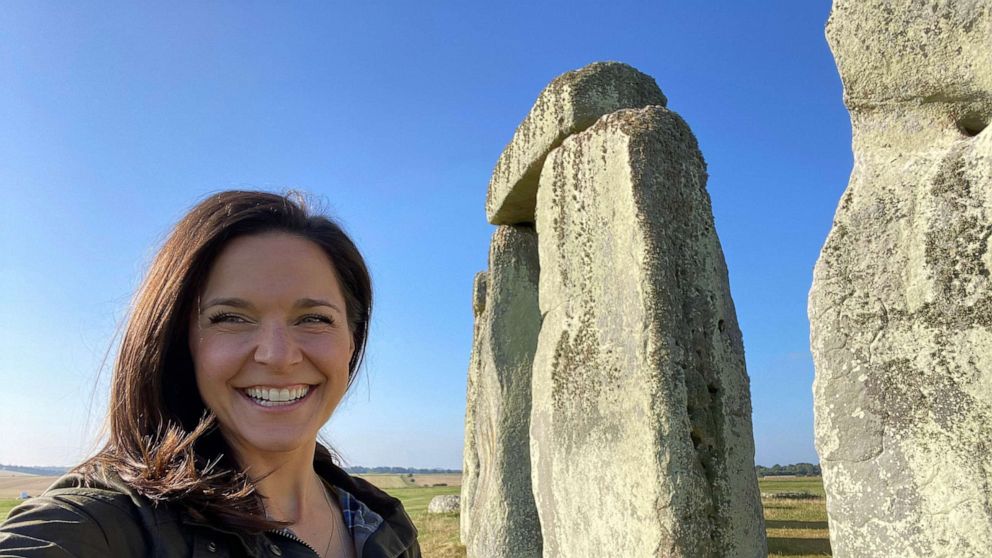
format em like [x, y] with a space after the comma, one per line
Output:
[360, 520]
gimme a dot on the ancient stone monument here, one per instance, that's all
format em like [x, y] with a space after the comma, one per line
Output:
[498, 514]
[640, 424]
[901, 304]
[471, 464]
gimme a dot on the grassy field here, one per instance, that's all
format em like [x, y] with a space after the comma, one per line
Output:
[438, 532]
[796, 528]
[813, 485]
[6, 504]
[390, 481]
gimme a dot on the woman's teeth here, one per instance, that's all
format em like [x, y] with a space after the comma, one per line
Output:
[271, 397]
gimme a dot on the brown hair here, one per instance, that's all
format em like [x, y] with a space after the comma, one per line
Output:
[162, 438]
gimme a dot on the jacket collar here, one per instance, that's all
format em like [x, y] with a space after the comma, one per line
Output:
[396, 533]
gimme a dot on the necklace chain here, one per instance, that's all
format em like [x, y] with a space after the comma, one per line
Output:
[330, 508]
[333, 519]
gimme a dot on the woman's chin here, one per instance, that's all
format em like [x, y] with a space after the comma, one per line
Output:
[251, 445]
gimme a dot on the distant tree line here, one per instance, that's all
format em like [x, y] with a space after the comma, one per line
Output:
[796, 470]
[359, 470]
[41, 471]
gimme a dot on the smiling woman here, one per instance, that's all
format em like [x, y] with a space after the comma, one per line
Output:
[244, 337]
[271, 344]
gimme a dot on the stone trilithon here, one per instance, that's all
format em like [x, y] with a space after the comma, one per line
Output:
[640, 440]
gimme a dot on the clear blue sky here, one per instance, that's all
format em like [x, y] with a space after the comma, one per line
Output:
[115, 119]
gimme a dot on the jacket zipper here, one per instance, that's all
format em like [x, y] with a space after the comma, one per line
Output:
[289, 535]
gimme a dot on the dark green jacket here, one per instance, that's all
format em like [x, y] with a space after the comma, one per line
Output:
[111, 520]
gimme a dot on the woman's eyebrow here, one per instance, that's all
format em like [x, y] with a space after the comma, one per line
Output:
[313, 302]
[228, 301]
[242, 303]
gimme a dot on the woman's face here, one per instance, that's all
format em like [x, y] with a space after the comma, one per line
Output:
[271, 343]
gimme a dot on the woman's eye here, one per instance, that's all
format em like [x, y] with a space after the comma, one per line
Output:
[227, 318]
[316, 319]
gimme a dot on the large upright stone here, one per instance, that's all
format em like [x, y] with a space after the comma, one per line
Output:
[470, 455]
[901, 305]
[502, 520]
[641, 441]
[569, 104]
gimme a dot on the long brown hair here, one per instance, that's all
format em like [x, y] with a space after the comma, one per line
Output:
[162, 439]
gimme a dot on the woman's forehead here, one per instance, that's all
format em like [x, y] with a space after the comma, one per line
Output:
[272, 266]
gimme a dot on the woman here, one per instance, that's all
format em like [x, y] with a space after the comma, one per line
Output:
[244, 337]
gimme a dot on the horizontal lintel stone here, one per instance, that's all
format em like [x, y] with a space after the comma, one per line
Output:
[569, 104]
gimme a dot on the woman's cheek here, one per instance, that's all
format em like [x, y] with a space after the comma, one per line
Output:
[221, 353]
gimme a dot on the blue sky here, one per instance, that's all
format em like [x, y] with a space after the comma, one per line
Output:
[116, 118]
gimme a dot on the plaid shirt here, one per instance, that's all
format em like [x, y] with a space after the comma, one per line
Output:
[358, 518]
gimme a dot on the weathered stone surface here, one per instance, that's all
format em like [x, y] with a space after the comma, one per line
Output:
[470, 455]
[915, 51]
[569, 104]
[445, 503]
[901, 306]
[503, 520]
[641, 439]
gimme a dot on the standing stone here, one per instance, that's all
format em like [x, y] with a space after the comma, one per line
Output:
[570, 103]
[470, 469]
[502, 520]
[641, 441]
[901, 305]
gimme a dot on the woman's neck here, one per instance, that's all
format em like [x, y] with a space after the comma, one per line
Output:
[290, 487]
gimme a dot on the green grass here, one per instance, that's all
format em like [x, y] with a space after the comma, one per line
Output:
[6, 504]
[415, 499]
[813, 485]
[439, 533]
[796, 528]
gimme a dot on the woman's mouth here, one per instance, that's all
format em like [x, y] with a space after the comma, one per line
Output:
[267, 396]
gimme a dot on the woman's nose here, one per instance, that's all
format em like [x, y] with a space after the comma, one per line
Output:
[276, 348]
